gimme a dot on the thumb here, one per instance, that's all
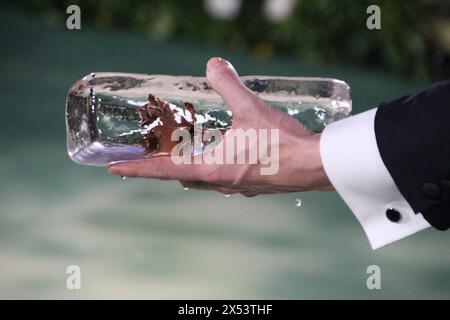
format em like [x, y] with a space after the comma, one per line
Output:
[225, 81]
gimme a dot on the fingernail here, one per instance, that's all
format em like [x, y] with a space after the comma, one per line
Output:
[213, 63]
[113, 169]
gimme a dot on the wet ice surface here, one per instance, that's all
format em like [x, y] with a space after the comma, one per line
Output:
[103, 118]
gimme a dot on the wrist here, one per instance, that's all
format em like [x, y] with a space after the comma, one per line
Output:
[313, 165]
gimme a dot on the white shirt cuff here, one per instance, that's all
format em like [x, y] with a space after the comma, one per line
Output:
[351, 159]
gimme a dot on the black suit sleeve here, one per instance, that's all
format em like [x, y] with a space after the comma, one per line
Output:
[413, 137]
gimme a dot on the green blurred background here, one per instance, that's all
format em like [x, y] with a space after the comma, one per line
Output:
[149, 239]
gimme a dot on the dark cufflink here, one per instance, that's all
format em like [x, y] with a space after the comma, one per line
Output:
[431, 191]
[393, 215]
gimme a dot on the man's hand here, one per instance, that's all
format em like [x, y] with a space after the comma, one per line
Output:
[300, 167]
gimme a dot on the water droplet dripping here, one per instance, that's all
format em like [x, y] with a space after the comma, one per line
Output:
[298, 202]
[123, 177]
[227, 195]
[185, 189]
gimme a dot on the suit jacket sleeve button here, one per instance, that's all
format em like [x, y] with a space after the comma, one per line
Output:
[393, 215]
[431, 191]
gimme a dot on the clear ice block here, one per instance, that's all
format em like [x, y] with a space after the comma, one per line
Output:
[104, 111]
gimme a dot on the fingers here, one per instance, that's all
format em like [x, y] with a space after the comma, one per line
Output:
[159, 168]
[200, 185]
[225, 81]
[164, 169]
[227, 191]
